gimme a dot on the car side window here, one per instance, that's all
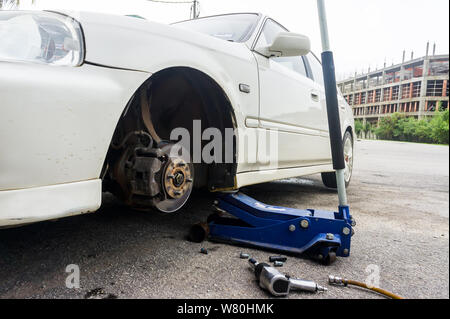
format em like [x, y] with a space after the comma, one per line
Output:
[294, 63]
[316, 68]
[269, 33]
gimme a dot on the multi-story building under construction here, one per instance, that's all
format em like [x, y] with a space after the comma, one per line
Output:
[416, 88]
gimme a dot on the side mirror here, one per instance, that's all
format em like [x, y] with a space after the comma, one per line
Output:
[288, 44]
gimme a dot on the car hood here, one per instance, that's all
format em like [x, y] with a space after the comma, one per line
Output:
[129, 42]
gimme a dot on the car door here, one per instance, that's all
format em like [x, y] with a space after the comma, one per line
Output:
[291, 103]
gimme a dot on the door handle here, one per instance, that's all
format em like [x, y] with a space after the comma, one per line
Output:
[315, 96]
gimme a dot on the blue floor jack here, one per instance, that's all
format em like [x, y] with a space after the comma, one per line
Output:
[318, 234]
[323, 235]
[245, 221]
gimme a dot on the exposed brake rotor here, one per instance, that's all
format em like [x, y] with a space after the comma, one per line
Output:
[177, 181]
[153, 177]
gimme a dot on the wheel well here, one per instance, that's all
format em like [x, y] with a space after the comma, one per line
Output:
[177, 97]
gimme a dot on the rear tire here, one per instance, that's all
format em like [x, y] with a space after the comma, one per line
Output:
[329, 179]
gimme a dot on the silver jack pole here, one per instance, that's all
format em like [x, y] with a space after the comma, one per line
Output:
[323, 26]
[334, 122]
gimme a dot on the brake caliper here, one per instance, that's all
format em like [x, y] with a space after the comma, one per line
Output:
[153, 177]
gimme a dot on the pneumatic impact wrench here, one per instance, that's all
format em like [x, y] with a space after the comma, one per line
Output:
[279, 284]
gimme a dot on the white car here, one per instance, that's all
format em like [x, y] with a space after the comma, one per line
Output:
[89, 103]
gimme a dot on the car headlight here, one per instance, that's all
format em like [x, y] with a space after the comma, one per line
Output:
[40, 37]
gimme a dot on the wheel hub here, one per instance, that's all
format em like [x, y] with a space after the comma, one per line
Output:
[177, 178]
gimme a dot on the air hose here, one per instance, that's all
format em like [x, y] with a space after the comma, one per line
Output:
[345, 282]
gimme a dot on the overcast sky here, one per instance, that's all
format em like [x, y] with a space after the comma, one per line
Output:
[363, 32]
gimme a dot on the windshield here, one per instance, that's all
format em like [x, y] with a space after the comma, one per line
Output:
[232, 27]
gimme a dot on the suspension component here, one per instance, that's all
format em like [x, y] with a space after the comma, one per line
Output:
[149, 176]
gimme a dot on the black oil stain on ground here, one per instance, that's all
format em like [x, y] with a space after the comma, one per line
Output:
[99, 293]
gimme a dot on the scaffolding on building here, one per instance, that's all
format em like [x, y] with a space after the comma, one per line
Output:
[418, 87]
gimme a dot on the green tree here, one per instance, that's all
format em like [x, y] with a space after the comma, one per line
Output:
[358, 127]
[440, 128]
[423, 131]
[409, 130]
[398, 127]
[385, 129]
[367, 128]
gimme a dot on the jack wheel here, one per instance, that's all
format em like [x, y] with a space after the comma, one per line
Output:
[330, 259]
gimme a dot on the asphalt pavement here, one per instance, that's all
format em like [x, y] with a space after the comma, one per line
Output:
[399, 196]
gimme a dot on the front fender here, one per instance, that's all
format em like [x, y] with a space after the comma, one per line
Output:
[137, 44]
